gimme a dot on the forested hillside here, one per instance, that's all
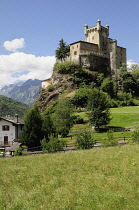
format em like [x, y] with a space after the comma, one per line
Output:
[11, 107]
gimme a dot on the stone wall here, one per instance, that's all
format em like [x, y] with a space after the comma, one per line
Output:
[96, 63]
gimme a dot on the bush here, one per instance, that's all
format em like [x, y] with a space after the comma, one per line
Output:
[84, 140]
[50, 88]
[77, 119]
[54, 145]
[66, 67]
[113, 103]
[20, 151]
[135, 136]
[110, 141]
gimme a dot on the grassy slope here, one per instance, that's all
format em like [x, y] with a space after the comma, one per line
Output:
[125, 116]
[92, 179]
[121, 117]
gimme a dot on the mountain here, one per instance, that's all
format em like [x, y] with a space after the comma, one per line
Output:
[11, 107]
[26, 92]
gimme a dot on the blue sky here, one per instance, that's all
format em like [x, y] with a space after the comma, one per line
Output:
[31, 30]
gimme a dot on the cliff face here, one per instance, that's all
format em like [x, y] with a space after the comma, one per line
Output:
[61, 84]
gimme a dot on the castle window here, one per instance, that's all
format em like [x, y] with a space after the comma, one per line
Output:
[5, 127]
[72, 47]
[77, 46]
[92, 37]
[75, 52]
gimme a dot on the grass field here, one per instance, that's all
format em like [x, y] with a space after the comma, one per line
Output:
[106, 178]
[125, 116]
[122, 117]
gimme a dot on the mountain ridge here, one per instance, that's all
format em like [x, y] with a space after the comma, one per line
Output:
[26, 92]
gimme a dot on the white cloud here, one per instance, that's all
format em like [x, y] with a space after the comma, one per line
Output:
[130, 62]
[36, 67]
[14, 44]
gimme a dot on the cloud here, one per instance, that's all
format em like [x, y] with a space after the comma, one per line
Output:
[130, 63]
[22, 66]
[14, 44]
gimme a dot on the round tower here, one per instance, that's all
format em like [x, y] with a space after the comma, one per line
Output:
[85, 29]
[98, 25]
[107, 27]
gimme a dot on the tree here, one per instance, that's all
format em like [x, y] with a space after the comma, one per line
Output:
[81, 97]
[62, 51]
[99, 108]
[48, 126]
[62, 118]
[108, 86]
[32, 130]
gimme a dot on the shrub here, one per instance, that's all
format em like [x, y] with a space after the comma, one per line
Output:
[77, 119]
[110, 141]
[113, 103]
[50, 88]
[135, 136]
[66, 67]
[18, 151]
[84, 140]
[54, 145]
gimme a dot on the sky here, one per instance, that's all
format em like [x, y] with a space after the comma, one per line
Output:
[30, 31]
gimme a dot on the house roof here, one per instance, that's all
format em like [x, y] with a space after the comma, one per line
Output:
[13, 120]
[46, 80]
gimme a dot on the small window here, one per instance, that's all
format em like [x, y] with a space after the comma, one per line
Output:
[77, 46]
[75, 52]
[5, 127]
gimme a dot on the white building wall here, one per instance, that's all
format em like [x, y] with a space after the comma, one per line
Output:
[10, 133]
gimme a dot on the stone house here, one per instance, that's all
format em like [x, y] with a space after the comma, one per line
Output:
[97, 49]
[10, 130]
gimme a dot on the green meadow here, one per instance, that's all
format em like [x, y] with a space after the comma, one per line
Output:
[106, 178]
[122, 117]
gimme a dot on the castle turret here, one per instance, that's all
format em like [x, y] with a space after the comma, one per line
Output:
[98, 25]
[107, 27]
[85, 29]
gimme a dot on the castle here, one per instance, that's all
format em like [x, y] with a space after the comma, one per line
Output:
[98, 50]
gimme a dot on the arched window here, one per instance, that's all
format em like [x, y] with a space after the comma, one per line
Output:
[5, 127]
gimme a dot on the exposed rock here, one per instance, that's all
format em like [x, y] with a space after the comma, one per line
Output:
[61, 84]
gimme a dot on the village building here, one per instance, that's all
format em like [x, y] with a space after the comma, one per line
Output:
[45, 83]
[98, 50]
[10, 130]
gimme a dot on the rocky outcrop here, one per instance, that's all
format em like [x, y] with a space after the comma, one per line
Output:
[62, 84]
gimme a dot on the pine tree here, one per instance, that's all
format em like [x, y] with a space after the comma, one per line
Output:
[62, 51]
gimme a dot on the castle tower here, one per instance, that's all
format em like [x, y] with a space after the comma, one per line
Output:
[100, 46]
[97, 35]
